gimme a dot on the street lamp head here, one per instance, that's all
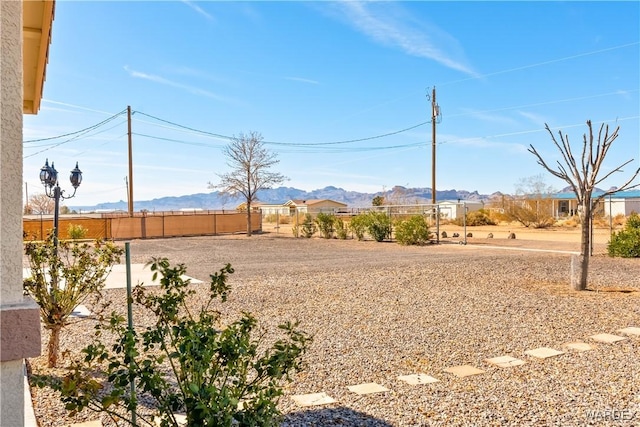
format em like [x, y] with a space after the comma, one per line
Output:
[48, 175]
[76, 176]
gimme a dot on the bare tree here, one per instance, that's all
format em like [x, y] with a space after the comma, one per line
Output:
[532, 203]
[250, 162]
[40, 203]
[583, 179]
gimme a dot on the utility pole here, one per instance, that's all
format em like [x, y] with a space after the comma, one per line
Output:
[435, 112]
[130, 201]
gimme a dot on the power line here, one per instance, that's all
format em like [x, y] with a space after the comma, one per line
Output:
[97, 125]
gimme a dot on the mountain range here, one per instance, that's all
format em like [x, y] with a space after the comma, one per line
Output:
[215, 200]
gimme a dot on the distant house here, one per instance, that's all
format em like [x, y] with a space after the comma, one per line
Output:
[289, 208]
[451, 209]
[621, 203]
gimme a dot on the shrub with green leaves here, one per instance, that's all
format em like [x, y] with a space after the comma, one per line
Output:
[308, 227]
[476, 218]
[183, 363]
[412, 231]
[358, 225]
[325, 224]
[63, 276]
[341, 228]
[378, 225]
[626, 243]
[77, 232]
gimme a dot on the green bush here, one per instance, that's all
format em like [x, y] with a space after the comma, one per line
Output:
[341, 228]
[308, 227]
[64, 275]
[77, 232]
[476, 218]
[378, 225]
[626, 242]
[325, 224]
[412, 231]
[218, 376]
[358, 225]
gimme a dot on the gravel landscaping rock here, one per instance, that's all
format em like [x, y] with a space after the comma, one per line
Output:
[378, 311]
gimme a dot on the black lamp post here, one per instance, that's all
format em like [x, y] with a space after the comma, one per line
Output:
[49, 178]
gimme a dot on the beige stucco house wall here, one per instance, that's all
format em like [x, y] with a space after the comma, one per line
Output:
[315, 206]
[24, 40]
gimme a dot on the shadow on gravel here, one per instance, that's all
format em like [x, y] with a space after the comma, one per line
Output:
[339, 416]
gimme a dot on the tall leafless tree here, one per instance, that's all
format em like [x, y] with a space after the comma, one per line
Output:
[250, 164]
[583, 178]
[40, 203]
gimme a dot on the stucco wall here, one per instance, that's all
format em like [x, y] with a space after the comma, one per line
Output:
[15, 310]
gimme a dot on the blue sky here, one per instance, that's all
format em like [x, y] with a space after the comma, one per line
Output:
[324, 73]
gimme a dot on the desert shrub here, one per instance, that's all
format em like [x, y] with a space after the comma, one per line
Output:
[218, 376]
[476, 218]
[358, 225]
[77, 232]
[308, 227]
[341, 228]
[626, 243]
[412, 231]
[325, 224]
[633, 222]
[571, 222]
[279, 218]
[378, 225]
[63, 276]
[619, 220]
[270, 218]
[284, 219]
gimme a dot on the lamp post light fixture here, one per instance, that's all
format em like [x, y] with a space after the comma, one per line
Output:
[49, 178]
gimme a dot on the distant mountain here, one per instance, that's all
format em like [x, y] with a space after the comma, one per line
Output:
[397, 195]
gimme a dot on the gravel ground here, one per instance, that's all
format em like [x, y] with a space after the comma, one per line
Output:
[380, 310]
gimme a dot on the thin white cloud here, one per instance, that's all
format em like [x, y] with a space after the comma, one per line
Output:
[536, 119]
[164, 81]
[198, 9]
[488, 117]
[390, 26]
[303, 80]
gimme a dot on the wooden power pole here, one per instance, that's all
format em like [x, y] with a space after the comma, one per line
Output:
[435, 112]
[130, 198]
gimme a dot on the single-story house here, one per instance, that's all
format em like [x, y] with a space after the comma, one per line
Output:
[621, 203]
[289, 208]
[451, 209]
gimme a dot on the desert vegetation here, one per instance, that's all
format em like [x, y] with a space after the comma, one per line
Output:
[626, 242]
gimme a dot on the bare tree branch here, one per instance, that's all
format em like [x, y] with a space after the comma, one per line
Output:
[250, 162]
[584, 180]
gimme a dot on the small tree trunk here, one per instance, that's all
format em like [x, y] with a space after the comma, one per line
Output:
[53, 347]
[585, 248]
[248, 220]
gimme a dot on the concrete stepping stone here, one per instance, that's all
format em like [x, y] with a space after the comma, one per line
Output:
[505, 361]
[416, 379]
[93, 423]
[543, 352]
[367, 388]
[607, 338]
[579, 346]
[630, 331]
[313, 399]
[81, 311]
[462, 371]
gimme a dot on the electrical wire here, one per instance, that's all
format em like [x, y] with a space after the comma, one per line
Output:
[97, 125]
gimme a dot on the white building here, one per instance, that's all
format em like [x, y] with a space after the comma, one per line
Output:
[289, 208]
[450, 209]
